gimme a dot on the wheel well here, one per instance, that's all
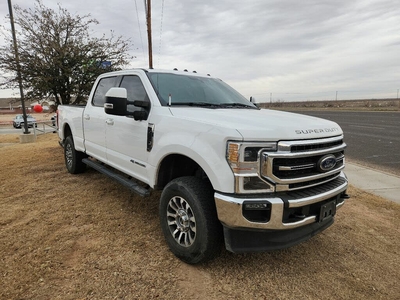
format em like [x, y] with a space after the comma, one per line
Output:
[67, 131]
[176, 165]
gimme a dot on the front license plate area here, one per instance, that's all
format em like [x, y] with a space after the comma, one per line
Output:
[328, 210]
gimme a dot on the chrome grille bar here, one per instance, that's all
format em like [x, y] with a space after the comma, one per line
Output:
[300, 169]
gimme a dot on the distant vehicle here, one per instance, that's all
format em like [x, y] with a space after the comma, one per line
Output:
[18, 121]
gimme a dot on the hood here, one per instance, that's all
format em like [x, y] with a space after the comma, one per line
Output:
[261, 125]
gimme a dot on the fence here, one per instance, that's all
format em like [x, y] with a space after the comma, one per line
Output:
[44, 127]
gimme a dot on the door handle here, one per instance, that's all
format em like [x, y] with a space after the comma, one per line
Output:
[86, 117]
[110, 122]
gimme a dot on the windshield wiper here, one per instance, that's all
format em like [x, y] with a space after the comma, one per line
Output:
[236, 105]
[196, 104]
[213, 105]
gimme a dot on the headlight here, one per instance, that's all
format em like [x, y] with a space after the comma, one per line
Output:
[244, 162]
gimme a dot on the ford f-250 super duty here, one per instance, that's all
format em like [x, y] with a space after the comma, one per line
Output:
[230, 172]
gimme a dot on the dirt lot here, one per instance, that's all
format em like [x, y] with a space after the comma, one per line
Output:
[86, 237]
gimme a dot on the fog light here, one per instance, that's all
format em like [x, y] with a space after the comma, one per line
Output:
[257, 211]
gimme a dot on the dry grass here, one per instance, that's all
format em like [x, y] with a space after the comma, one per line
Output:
[86, 237]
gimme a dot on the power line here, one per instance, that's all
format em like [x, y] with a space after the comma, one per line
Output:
[140, 31]
[161, 27]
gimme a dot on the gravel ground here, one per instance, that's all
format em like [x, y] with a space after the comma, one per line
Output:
[83, 236]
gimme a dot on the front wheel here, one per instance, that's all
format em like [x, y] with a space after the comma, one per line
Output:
[189, 220]
[73, 158]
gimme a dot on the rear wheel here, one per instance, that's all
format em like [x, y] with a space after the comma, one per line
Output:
[73, 158]
[189, 220]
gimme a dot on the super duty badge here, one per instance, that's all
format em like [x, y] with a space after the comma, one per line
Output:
[319, 130]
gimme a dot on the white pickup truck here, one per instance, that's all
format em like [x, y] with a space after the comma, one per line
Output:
[255, 179]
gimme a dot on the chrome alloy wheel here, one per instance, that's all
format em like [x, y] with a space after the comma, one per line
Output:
[181, 221]
[69, 155]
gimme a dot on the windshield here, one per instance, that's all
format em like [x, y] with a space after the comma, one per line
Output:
[196, 91]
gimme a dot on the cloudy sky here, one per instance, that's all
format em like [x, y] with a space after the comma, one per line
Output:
[279, 50]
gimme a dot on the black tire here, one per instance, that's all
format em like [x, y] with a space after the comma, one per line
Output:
[189, 220]
[73, 158]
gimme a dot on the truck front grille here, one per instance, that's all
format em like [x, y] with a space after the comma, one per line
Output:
[312, 147]
[301, 164]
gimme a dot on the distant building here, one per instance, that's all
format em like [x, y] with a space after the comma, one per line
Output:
[14, 104]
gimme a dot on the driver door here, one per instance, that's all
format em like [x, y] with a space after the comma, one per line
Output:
[126, 138]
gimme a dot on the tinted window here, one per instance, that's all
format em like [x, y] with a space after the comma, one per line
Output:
[194, 89]
[134, 89]
[102, 88]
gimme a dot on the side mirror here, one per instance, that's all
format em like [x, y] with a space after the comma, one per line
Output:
[116, 102]
[140, 103]
[140, 115]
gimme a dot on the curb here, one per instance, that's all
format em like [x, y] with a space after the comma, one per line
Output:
[375, 182]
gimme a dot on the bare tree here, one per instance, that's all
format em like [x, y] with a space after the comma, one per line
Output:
[58, 56]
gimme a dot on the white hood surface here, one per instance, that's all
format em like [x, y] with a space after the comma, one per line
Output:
[261, 125]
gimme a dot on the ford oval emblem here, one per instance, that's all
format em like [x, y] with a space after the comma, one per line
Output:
[326, 163]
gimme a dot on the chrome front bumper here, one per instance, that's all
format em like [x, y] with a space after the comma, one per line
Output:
[230, 207]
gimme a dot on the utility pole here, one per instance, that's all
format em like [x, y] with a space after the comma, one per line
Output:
[148, 21]
[18, 67]
[336, 95]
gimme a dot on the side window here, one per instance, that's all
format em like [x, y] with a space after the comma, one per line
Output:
[102, 88]
[135, 90]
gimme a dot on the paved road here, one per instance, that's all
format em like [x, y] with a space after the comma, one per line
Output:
[10, 130]
[372, 138]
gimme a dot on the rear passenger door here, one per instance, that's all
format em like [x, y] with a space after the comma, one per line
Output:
[94, 120]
